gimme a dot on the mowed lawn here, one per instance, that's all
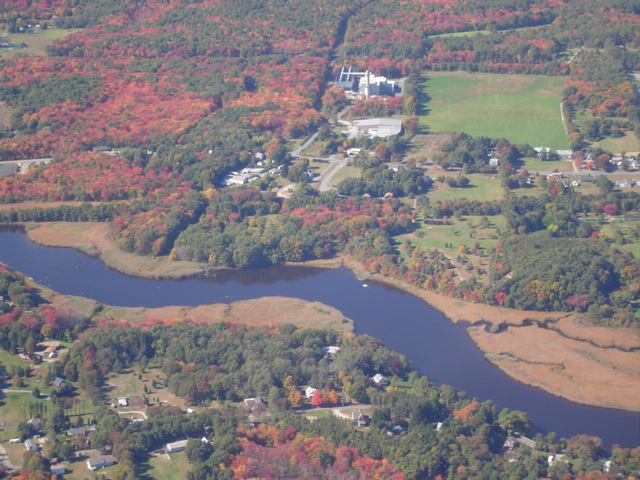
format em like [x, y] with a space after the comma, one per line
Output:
[520, 108]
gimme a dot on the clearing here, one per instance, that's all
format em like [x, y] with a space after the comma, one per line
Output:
[520, 108]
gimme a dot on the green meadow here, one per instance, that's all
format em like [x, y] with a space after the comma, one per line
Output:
[520, 108]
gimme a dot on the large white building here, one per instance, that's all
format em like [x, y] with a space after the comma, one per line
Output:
[365, 84]
[375, 127]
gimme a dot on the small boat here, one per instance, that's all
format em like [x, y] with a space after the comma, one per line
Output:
[365, 285]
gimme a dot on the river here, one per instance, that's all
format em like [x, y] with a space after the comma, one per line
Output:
[438, 349]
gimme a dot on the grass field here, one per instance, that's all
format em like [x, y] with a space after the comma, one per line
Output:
[537, 165]
[628, 143]
[7, 360]
[520, 108]
[345, 172]
[460, 232]
[482, 187]
[167, 467]
[626, 235]
[36, 42]
[14, 407]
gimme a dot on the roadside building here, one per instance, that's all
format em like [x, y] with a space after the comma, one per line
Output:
[375, 127]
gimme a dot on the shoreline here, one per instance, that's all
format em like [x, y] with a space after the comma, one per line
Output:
[556, 351]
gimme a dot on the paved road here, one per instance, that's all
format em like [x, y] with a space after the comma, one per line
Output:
[328, 174]
[305, 144]
[139, 412]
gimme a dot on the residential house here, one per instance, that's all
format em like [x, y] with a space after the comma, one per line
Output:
[509, 443]
[57, 469]
[77, 431]
[60, 384]
[359, 418]
[309, 391]
[397, 430]
[31, 445]
[101, 462]
[565, 153]
[175, 446]
[353, 152]
[330, 351]
[123, 402]
[542, 151]
[379, 380]
[253, 403]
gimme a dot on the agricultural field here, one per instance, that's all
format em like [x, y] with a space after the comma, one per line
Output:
[520, 108]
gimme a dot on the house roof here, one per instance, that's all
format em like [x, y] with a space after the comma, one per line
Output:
[101, 462]
[58, 382]
[253, 402]
[177, 445]
[379, 378]
[31, 444]
[378, 122]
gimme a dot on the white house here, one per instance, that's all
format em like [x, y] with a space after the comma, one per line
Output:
[330, 351]
[309, 391]
[101, 462]
[379, 380]
[252, 403]
[541, 150]
[31, 445]
[123, 402]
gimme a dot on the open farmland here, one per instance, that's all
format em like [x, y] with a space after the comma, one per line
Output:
[520, 108]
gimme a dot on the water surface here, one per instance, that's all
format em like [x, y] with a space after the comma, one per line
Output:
[438, 349]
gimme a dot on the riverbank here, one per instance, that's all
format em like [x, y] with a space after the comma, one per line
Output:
[268, 312]
[557, 352]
